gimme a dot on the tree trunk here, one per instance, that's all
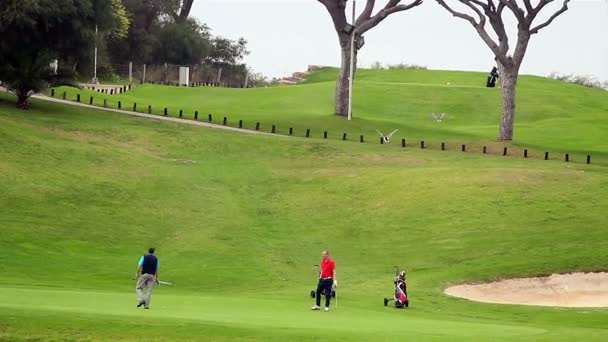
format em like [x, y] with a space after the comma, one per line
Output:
[22, 101]
[343, 84]
[509, 83]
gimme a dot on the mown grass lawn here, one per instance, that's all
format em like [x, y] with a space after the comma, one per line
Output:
[238, 221]
[551, 116]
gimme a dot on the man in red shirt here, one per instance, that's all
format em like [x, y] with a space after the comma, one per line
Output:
[326, 280]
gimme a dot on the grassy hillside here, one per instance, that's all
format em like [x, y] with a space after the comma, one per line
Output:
[239, 221]
[552, 115]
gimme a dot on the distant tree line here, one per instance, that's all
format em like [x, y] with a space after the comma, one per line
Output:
[34, 33]
[162, 31]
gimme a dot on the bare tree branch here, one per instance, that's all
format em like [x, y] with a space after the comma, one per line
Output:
[529, 8]
[185, 9]
[563, 9]
[470, 4]
[479, 27]
[457, 14]
[367, 12]
[336, 11]
[391, 7]
[518, 12]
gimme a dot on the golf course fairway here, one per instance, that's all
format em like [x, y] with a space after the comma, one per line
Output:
[239, 221]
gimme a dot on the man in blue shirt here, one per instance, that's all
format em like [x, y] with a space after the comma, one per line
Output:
[147, 275]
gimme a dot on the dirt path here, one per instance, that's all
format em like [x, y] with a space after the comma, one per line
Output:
[157, 117]
[565, 290]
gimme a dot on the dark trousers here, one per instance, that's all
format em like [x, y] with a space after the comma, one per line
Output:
[324, 286]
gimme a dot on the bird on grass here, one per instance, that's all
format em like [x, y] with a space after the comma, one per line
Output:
[387, 138]
[440, 117]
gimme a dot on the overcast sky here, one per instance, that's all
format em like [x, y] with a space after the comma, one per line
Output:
[286, 35]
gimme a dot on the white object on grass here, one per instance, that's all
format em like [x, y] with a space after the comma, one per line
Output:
[440, 117]
[387, 138]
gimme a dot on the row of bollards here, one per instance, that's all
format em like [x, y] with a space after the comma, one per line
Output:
[505, 151]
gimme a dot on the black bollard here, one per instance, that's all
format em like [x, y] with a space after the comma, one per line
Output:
[135, 106]
[464, 148]
[290, 130]
[485, 150]
[381, 140]
[325, 135]
[91, 100]
[525, 153]
[52, 92]
[225, 121]
[588, 159]
[257, 126]
[119, 105]
[149, 109]
[504, 151]
[274, 129]
[210, 118]
[196, 115]
[77, 97]
[443, 146]
[344, 136]
[422, 144]
[308, 132]
[567, 157]
[361, 139]
[166, 112]
[403, 143]
[181, 113]
[546, 155]
[240, 123]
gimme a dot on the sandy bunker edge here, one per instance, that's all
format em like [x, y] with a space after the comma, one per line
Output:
[563, 290]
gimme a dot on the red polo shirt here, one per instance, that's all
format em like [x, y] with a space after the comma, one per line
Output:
[327, 268]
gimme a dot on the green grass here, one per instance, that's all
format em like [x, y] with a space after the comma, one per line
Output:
[551, 116]
[85, 192]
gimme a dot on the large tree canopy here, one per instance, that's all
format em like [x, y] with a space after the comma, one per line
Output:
[34, 32]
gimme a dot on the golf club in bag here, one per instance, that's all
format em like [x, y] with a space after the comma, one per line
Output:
[400, 298]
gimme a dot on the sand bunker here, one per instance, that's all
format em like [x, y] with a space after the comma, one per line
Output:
[566, 290]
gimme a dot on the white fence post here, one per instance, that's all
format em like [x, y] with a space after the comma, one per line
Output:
[130, 72]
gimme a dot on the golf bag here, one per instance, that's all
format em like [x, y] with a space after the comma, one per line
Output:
[313, 293]
[491, 83]
[400, 297]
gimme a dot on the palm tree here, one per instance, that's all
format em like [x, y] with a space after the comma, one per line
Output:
[28, 73]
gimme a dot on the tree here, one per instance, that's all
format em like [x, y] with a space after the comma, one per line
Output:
[34, 32]
[225, 58]
[179, 10]
[25, 74]
[366, 21]
[183, 43]
[141, 43]
[227, 51]
[509, 62]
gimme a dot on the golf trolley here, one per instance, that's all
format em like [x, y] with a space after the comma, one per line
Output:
[313, 293]
[400, 298]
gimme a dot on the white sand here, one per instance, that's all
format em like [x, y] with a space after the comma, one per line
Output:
[565, 290]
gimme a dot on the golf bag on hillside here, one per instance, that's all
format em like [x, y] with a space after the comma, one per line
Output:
[400, 297]
[491, 83]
